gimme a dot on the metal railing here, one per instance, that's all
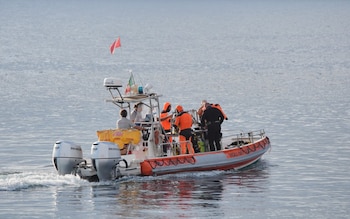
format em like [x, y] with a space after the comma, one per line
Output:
[171, 148]
[247, 137]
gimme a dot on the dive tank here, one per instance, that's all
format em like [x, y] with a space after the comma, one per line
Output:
[105, 157]
[66, 156]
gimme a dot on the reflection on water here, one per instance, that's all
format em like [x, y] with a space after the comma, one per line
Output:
[180, 195]
[254, 178]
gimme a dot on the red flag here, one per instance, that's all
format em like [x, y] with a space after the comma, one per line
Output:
[115, 44]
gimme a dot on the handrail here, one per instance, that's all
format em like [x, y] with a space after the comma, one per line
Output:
[173, 148]
[252, 136]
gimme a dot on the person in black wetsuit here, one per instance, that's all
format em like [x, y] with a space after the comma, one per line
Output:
[212, 118]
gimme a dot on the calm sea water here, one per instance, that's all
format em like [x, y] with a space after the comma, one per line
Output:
[282, 66]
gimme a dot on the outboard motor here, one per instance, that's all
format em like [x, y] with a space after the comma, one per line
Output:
[105, 157]
[66, 156]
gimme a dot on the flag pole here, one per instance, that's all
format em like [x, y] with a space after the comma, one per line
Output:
[116, 44]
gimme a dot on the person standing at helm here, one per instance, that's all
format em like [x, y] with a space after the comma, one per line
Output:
[183, 122]
[136, 114]
[165, 119]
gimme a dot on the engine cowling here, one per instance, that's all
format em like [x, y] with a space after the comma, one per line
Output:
[105, 157]
[66, 156]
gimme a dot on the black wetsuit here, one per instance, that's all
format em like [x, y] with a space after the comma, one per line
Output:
[212, 118]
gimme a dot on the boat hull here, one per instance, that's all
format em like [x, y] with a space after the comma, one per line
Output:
[232, 158]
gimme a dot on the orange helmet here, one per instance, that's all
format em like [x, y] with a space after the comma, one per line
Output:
[179, 108]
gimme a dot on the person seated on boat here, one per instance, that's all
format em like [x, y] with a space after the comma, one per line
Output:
[136, 114]
[125, 123]
[212, 119]
[165, 120]
[183, 122]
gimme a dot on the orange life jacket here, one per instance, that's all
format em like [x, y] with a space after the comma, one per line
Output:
[217, 106]
[166, 123]
[183, 121]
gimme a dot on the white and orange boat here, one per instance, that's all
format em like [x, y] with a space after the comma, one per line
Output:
[119, 152]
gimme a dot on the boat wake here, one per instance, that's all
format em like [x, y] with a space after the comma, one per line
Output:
[17, 181]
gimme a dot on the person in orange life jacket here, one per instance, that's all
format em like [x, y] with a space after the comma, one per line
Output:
[165, 119]
[183, 122]
[202, 108]
[212, 118]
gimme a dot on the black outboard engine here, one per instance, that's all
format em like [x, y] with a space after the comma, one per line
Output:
[105, 157]
[66, 156]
